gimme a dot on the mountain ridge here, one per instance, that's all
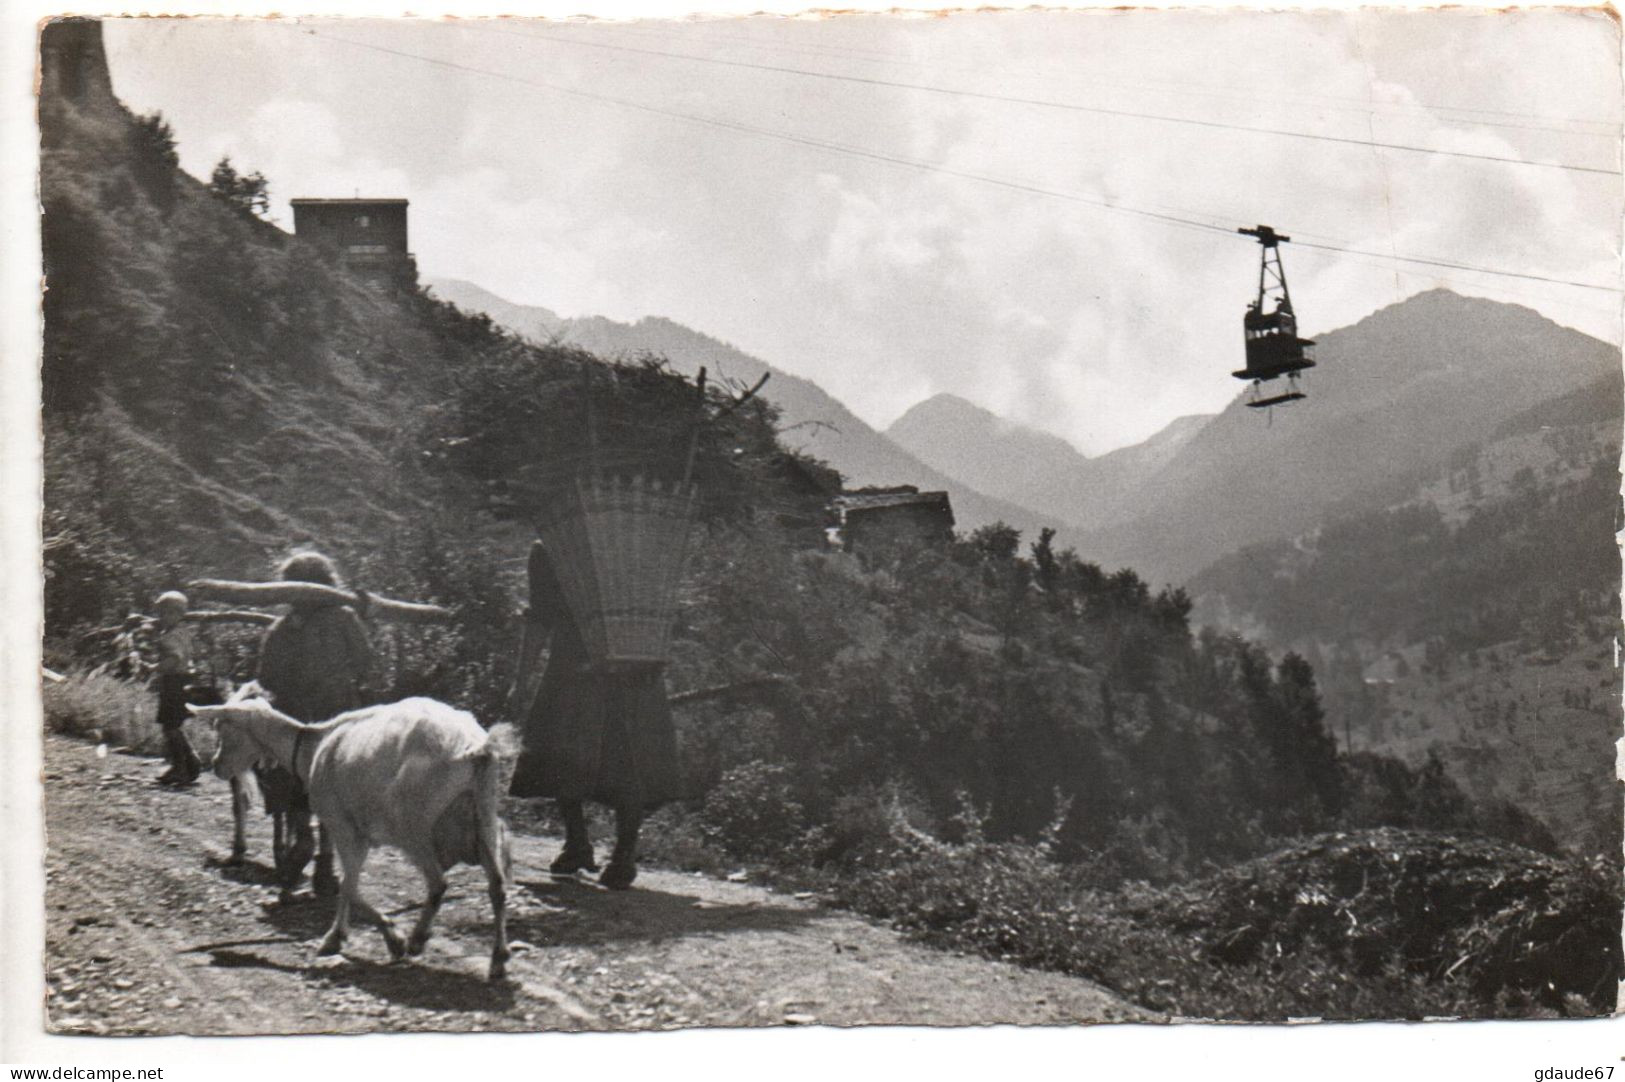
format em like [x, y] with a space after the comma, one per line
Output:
[1394, 397]
[986, 451]
[815, 422]
[1397, 396]
[1036, 468]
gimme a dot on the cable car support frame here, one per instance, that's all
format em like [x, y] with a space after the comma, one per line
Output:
[1273, 347]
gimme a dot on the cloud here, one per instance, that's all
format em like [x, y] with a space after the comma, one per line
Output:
[543, 248]
[887, 283]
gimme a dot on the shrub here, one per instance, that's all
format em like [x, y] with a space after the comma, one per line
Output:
[89, 577]
[1440, 926]
[468, 661]
[678, 838]
[752, 812]
[96, 706]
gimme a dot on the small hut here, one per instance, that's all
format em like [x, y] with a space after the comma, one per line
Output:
[881, 516]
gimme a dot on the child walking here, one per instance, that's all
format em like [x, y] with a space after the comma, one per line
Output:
[174, 673]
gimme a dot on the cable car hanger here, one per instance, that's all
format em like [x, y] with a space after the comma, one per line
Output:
[1271, 333]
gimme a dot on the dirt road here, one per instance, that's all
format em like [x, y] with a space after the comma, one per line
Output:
[147, 932]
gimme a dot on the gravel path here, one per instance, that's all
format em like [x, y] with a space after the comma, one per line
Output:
[148, 933]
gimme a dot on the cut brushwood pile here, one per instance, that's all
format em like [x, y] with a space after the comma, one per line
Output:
[1494, 916]
[227, 591]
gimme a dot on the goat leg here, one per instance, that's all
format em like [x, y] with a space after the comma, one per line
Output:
[352, 855]
[239, 821]
[352, 852]
[322, 882]
[301, 847]
[436, 882]
[333, 941]
[279, 845]
[496, 874]
[392, 938]
[497, 857]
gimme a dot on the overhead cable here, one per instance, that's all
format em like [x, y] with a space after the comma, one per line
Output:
[1046, 103]
[1170, 219]
[1395, 110]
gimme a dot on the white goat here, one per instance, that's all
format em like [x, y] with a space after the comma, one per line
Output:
[417, 775]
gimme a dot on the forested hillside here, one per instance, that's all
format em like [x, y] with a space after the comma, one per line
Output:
[217, 393]
[213, 390]
[1476, 620]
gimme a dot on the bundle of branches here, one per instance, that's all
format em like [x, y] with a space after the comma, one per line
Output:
[309, 593]
[523, 424]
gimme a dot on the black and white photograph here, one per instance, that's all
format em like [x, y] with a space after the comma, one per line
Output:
[990, 518]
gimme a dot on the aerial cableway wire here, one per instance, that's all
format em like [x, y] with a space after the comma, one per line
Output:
[1173, 220]
[1425, 274]
[1046, 103]
[790, 137]
[1422, 109]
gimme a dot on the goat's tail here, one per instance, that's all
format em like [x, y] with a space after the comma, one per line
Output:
[502, 741]
[500, 748]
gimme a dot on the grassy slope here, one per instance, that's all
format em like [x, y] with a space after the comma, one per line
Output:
[219, 390]
[1534, 727]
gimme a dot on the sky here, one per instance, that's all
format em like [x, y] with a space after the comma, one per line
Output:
[1034, 211]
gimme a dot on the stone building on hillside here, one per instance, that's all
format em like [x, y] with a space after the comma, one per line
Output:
[369, 235]
[73, 63]
[903, 513]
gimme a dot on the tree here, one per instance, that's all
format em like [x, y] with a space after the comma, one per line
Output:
[999, 542]
[1047, 566]
[1440, 804]
[250, 194]
[154, 159]
[1305, 720]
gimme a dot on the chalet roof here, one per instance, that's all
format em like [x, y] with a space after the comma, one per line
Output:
[358, 202]
[874, 501]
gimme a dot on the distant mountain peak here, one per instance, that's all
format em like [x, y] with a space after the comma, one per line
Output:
[812, 420]
[1179, 429]
[947, 409]
[1423, 312]
[1394, 399]
[949, 400]
[945, 406]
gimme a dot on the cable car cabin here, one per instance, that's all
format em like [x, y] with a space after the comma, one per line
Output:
[1273, 346]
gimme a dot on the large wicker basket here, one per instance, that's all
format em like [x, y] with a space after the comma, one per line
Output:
[619, 547]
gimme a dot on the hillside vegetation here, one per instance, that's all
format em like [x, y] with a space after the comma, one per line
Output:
[1475, 621]
[216, 392]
